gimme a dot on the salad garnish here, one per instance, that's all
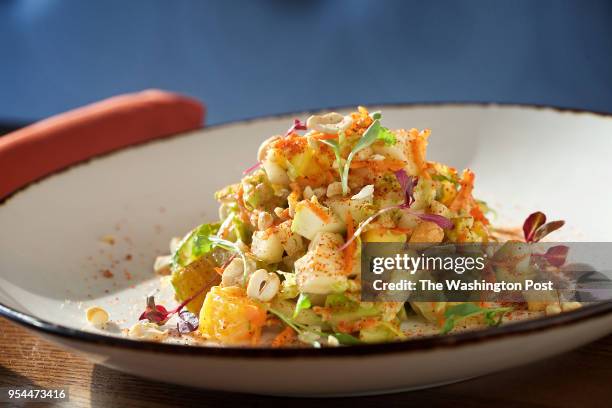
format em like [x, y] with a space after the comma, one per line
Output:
[187, 322]
[407, 183]
[302, 303]
[554, 256]
[297, 125]
[535, 227]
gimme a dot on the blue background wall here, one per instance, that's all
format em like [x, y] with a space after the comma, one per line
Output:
[245, 58]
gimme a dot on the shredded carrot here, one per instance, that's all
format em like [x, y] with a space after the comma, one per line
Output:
[256, 336]
[379, 165]
[318, 210]
[292, 145]
[324, 136]
[219, 270]
[244, 213]
[478, 215]
[283, 337]
[292, 200]
[349, 251]
[465, 194]
[284, 214]
[415, 145]
[257, 318]
[399, 230]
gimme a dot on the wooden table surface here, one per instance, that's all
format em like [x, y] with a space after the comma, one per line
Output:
[581, 378]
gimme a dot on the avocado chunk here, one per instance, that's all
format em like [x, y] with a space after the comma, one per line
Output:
[198, 276]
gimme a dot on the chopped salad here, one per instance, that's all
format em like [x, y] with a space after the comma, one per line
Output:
[281, 266]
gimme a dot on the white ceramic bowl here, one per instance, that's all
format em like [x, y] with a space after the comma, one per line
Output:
[52, 253]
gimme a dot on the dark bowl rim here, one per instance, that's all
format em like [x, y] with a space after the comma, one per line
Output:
[421, 344]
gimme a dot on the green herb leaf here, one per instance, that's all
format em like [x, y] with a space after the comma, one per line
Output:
[200, 242]
[338, 300]
[387, 136]
[303, 302]
[462, 310]
[347, 339]
[372, 134]
[335, 146]
[368, 137]
[465, 310]
[194, 245]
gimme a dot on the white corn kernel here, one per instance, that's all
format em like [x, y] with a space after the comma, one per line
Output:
[320, 192]
[332, 341]
[264, 220]
[263, 285]
[97, 316]
[331, 123]
[234, 272]
[279, 211]
[334, 189]
[308, 192]
[294, 245]
[147, 331]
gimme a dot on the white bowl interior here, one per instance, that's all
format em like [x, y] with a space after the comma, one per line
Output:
[52, 254]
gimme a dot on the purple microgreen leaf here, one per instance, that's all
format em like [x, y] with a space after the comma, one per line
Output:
[546, 229]
[187, 322]
[439, 220]
[159, 315]
[557, 255]
[251, 169]
[408, 184]
[297, 125]
[531, 224]
[155, 313]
